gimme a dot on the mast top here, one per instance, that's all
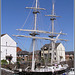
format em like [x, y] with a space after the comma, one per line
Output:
[53, 14]
[36, 7]
[53, 17]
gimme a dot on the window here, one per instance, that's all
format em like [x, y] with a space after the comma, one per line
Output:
[23, 55]
[45, 55]
[55, 58]
[45, 48]
[50, 49]
[54, 53]
[42, 54]
[6, 43]
[50, 54]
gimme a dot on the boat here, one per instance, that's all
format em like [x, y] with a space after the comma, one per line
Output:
[42, 70]
[71, 72]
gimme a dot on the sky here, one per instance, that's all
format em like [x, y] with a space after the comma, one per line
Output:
[15, 16]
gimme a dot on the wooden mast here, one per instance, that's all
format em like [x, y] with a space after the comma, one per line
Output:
[34, 32]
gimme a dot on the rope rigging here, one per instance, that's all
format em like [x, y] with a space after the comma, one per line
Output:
[27, 16]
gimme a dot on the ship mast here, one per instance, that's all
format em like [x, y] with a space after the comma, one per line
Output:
[53, 44]
[52, 34]
[53, 19]
[35, 32]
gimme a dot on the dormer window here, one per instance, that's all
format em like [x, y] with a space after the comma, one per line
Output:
[45, 48]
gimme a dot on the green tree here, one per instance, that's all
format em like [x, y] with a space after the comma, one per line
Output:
[4, 62]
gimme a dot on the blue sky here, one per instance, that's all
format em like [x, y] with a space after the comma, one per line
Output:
[14, 15]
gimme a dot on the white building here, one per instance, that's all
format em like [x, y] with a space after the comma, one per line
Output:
[8, 47]
[59, 52]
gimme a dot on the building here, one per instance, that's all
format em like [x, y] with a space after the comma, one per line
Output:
[22, 55]
[37, 55]
[19, 49]
[69, 55]
[8, 47]
[27, 56]
[59, 52]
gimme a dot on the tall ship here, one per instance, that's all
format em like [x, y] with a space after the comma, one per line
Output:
[53, 38]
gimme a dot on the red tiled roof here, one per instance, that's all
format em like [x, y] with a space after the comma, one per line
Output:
[19, 49]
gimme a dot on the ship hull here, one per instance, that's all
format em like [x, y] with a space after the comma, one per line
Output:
[35, 73]
[41, 73]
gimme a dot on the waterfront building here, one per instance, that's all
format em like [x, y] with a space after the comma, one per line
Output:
[8, 48]
[59, 52]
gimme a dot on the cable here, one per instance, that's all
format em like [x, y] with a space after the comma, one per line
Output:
[20, 42]
[27, 17]
[31, 46]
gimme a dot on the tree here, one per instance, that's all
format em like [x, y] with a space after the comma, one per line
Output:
[4, 62]
[9, 58]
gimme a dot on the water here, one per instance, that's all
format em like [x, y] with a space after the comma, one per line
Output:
[41, 74]
[23, 73]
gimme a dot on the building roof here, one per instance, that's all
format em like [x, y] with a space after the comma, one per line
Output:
[28, 53]
[69, 53]
[22, 53]
[19, 49]
[36, 52]
[3, 35]
[8, 37]
[46, 46]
